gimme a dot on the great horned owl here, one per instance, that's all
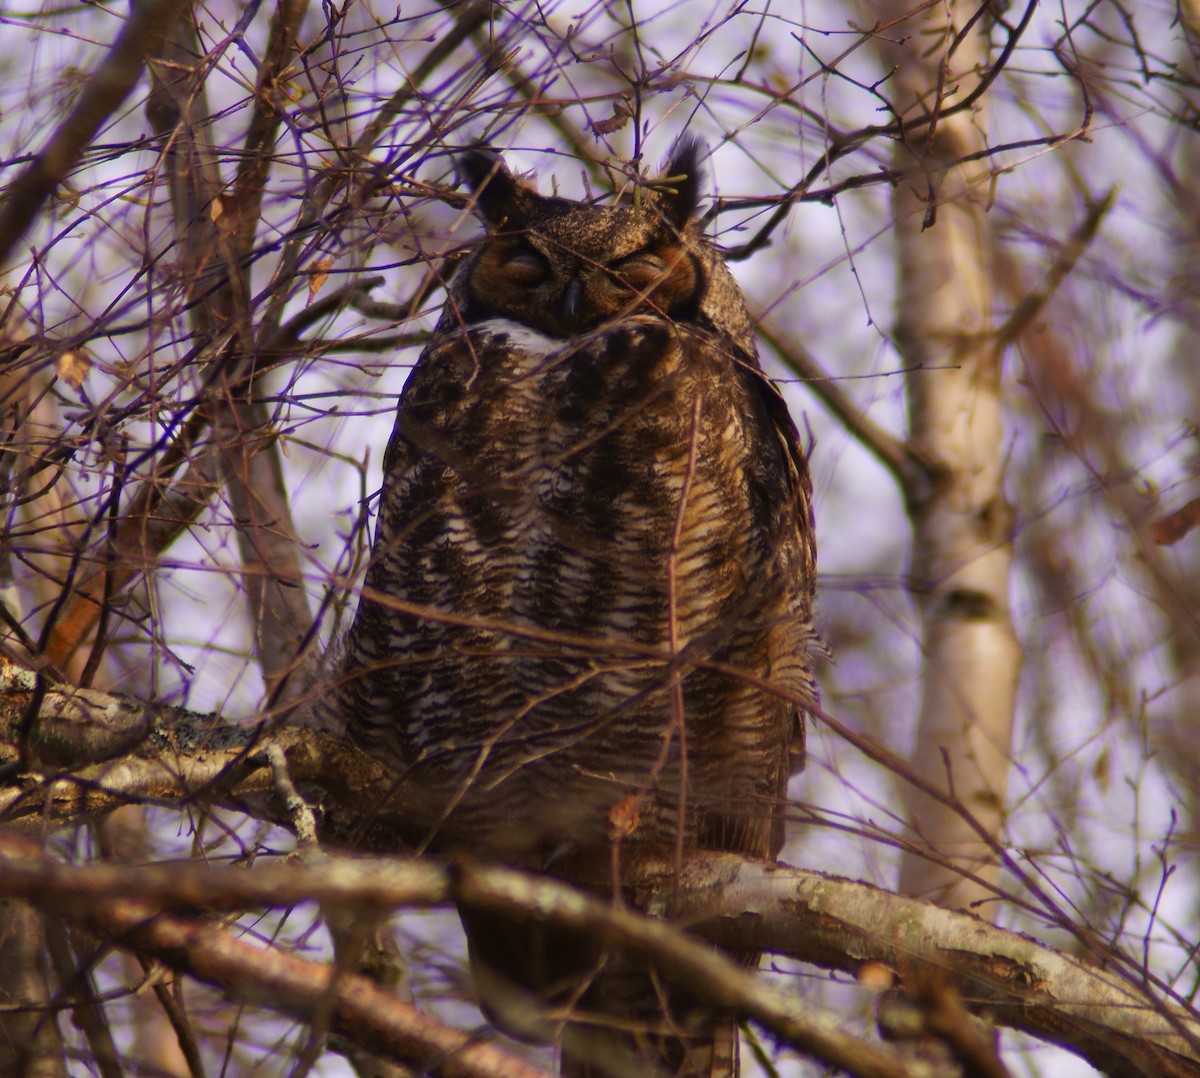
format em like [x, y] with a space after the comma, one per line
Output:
[593, 567]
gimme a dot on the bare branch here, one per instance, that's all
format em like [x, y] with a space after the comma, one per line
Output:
[912, 474]
[360, 1011]
[737, 902]
[108, 86]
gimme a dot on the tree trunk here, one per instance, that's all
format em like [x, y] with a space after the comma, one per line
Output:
[962, 525]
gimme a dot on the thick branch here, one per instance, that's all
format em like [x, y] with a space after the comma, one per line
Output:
[354, 1007]
[121, 750]
[203, 951]
[176, 755]
[1114, 1024]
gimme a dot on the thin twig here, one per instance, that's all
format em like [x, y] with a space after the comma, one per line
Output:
[108, 86]
[909, 471]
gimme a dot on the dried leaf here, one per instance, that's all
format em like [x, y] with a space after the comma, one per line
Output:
[1100, 771]
[619, 119]
[625, 815]
[1174, 526]
[73, 367]
[318, 274]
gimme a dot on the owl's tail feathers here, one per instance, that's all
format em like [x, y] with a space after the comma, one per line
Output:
[630, 1025]
[613, 1018]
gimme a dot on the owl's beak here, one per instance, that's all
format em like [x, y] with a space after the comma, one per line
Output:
[572, 299]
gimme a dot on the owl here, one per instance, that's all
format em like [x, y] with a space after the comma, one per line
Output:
[585, 633]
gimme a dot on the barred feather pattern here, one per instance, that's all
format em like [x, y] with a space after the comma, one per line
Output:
[586, 628]
[546, 492]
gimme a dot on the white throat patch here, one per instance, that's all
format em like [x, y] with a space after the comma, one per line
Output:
[535, 343]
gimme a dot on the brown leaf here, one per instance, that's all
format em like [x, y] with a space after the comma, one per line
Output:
[1174, 526]
[73, 367]
[625, 816]
[318, 275]
[619, 119]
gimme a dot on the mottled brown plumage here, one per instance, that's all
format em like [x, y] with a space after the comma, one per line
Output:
[595, 519]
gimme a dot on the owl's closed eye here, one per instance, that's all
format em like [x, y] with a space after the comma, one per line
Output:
[565, 268]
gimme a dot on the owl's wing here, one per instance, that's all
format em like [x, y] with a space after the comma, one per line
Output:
[795, 642]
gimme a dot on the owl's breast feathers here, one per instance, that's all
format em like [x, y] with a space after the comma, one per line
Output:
[597, 552]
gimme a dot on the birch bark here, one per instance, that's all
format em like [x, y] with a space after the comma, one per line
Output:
[962, 525]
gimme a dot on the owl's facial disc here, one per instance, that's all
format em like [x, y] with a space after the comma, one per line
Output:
[540, 280]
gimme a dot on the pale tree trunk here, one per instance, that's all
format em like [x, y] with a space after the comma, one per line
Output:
[961, 522]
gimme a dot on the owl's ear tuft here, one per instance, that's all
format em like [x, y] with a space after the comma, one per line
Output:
[500, 198]
[682, 181]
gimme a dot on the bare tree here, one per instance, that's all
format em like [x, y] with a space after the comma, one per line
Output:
[969, 231]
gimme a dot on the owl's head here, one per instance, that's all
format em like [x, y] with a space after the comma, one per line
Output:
[566, 268]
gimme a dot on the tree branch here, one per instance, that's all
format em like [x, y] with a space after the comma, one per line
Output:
[176, 755]
[264, 976]
[108, 86]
